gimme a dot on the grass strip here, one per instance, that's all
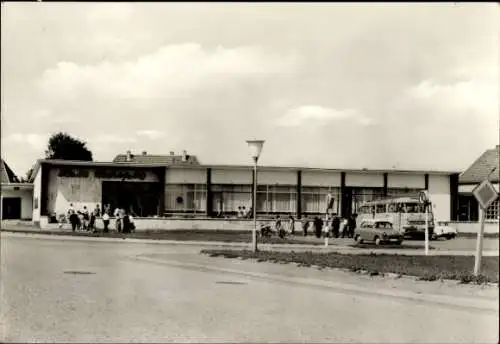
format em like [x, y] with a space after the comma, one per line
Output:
[429, 268]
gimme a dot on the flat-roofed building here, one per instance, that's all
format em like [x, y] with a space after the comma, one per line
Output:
[189, 189]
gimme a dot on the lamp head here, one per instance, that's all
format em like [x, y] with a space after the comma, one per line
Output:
[255, 148]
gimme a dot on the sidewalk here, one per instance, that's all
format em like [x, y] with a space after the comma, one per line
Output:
[339, 248]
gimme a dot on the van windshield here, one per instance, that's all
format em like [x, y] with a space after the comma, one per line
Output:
[413, 208]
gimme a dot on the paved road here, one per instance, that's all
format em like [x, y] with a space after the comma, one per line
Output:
[126, 299]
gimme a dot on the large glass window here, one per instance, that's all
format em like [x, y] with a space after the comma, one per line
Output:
[361, 195]
[468, 208]
[314, 199]
[276, 199]
[189, 198]
[403, 192]
[493, 211]
[227, 198]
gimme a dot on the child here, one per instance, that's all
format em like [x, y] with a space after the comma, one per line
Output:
[105, 221]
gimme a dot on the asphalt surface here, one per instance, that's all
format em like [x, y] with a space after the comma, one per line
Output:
[57, 290]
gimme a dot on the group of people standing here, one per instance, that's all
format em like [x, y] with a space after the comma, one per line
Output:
[85, 220]
[332, 226]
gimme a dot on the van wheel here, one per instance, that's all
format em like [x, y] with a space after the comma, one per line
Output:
[377, 241]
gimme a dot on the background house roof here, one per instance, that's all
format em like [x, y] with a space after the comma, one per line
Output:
[147, 159]
[480, 169]
[6, 174]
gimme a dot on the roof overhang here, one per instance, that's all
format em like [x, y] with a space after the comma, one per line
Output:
[17, 186]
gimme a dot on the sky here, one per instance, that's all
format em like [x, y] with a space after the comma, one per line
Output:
[377, 86]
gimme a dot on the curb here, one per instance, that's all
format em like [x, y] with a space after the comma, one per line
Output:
[263, 246]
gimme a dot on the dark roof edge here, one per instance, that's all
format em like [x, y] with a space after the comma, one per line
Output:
[472, 181]
[10, 173]
[198, 166]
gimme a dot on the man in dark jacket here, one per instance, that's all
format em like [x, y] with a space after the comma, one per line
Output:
[335, 225]
[318, 225]
[352, 225]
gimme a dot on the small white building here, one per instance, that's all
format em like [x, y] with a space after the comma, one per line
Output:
[16, 197]
[467, 217]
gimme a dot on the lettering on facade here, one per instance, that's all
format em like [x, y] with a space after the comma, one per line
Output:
[119, 174]
[73, 172]
[103, 173]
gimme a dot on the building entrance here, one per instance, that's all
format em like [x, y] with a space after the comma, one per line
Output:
[141, 199]
[11, 208]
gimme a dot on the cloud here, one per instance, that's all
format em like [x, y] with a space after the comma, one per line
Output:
[110, 139]
[170, 72]
[36, 141]
[479, 96]
[151, 134]
[314, 113]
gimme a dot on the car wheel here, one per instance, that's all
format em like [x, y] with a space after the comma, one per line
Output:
[399, 242]
[377, 241]
[358, 239]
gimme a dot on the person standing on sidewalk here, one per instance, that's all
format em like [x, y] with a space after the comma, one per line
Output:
[318, 226]
[116, 215]
[291, 225]
[105, 221]
[278, 227]
[305, 225]
[73, 218]
[86, 218]
[344, 228]
[335, 225]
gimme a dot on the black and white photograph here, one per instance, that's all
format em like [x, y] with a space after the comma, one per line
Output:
[249, 172]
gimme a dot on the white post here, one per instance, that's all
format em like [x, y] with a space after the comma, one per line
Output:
[254, 233]
[426, 229]
[326, 231]
[479, 244]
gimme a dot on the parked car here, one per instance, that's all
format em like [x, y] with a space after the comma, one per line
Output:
[378, 231]
[442, 230]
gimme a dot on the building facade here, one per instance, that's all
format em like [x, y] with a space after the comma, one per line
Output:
[468, 207]
[16, 198]
[210, 191]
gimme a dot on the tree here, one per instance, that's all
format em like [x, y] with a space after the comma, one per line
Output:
[27, 178]
[63, 146]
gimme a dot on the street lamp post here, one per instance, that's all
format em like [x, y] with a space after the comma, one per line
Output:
[255, 149]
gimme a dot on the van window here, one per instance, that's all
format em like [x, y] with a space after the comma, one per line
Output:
[392, 208]
[380, 208]
[412, 208]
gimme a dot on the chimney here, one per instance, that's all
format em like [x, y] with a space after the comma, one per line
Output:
[144, 153]
[129, 155]
[172, 153]
[184, 156]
